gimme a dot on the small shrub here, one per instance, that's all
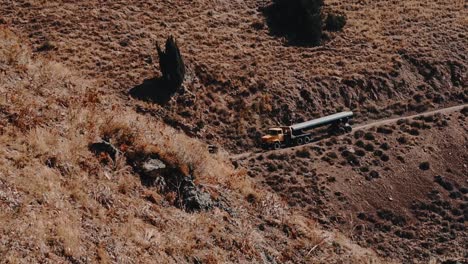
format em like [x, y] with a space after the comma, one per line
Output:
[444, 183]
[271, 167]
[335, 22]
[455, 195]
[464, 190]
[374, 174]
[385, 157]
[332, 155]
[358, 134]
[402, 140]
[417, 125]
[360, 153]
[442, 123]
[274, 156]
[327, 159]
[424, 166]
[360, 143]
[258, 25]
[385, 146]
[402, 121]
[369, 147]
[464, 111]
[384, 130]
[401, 158]
[405, 234]
[251, 198]
[392, 217]
[429, 119]
[369, 136]
[352, 159]
[414, 132]
[47, 46]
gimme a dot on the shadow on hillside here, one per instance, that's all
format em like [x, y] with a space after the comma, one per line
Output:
[275, 28]
[155, 90]
[293, 27]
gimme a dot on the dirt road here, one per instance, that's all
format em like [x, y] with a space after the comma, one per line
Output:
[358, 127]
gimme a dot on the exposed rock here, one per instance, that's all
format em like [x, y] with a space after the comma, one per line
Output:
[193, 198]
[168, 179]
[152, 167]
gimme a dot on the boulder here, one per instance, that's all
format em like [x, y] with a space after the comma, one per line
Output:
[170, 179]
[153, 167]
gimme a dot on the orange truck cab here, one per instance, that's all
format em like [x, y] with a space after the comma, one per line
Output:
[274, 138]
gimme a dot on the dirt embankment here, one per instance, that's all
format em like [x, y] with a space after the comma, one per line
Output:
[399, 188]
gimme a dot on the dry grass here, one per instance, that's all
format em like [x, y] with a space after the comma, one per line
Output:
[379, 59]
[58, 203]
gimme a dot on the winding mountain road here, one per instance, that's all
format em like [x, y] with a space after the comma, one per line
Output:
[357, 127]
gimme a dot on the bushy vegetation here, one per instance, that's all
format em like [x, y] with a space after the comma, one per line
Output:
[335, 22]
[161, 89]
[301, 21]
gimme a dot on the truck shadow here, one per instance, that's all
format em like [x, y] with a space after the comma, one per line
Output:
[313, 140]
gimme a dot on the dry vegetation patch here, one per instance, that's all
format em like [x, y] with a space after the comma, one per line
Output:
[61, 203]
[392, 58]
[403, 198]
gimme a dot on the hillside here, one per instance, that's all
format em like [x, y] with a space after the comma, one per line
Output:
[391, 58]
[90, 174]
[67, 197]
[399, 188]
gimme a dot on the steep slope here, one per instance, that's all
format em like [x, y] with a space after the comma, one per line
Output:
[400, 188]
[393, 57]
[61, 203]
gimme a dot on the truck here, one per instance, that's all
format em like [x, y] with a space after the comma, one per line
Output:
[303, 133]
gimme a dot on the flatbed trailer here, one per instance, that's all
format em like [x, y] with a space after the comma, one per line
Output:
[302, 133]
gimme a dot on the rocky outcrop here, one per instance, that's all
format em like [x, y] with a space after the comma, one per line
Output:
[171, 180]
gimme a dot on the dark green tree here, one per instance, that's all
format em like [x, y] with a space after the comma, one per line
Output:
[335, 22]
[172, 65]
[300, 20]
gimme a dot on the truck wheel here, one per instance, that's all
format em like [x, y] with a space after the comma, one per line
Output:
[299, 141]
[307, 140]
[277, 145]
[348, 128]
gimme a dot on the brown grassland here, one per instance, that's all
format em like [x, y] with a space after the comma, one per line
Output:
[393, 57]
[59, 203]
[393, 193]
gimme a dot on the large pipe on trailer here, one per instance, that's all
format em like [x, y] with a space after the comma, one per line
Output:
[300, 133]
[323, 121]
